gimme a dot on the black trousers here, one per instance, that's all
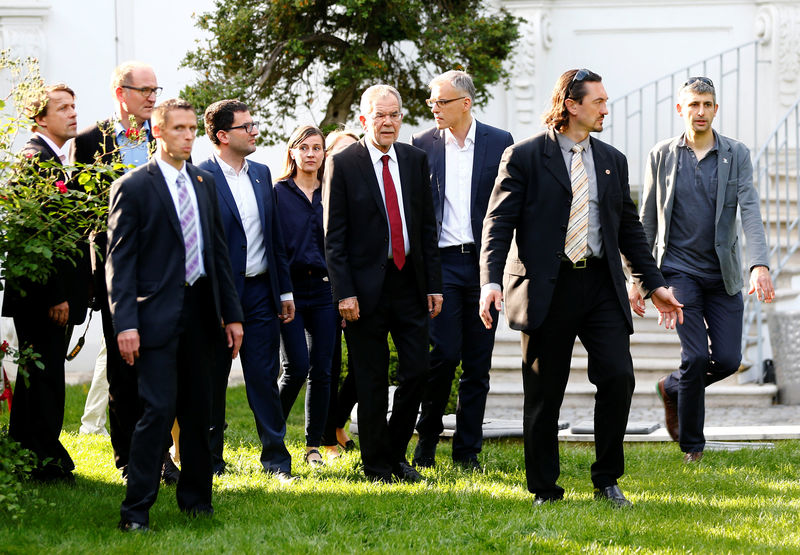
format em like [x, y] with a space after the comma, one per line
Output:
[584, 304]
[37, 413]
[343, 397]
[175, 380]
[401, 313]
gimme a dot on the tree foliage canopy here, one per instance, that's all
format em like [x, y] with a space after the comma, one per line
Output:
[283, 57]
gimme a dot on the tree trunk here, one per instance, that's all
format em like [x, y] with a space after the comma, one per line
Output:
[339, 106]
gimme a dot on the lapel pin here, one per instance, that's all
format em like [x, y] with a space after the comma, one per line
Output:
[257, 181]
[608, 172]
[200, 178]
[724, 160]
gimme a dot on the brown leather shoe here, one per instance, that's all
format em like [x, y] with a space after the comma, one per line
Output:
[693, 457]
[670, 410]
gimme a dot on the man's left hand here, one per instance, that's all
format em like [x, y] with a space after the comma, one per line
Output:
[434, 305]
[59, 313]
[287, 312]
[761, 284]
[669, 309]
[234, 333]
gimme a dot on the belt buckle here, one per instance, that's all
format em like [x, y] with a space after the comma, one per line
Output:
[580, 264]
[464, 248]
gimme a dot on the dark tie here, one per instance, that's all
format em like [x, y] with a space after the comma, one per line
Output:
[393, 210]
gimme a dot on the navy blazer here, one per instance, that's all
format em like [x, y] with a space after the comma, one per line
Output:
[145, 268]
[490, 142]
[277, 262]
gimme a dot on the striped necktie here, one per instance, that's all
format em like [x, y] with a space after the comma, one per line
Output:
[577, 229]
[189, 229]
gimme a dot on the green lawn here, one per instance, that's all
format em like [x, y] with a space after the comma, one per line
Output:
[744, 502]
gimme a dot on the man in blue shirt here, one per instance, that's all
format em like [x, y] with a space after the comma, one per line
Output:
[692, 187]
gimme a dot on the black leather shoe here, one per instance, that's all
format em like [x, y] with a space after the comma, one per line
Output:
[406, 473]
[219, 469]
[170, 474]
[128, 526]
[470, 464]
[284, 477]
[538, 501]
[613, 494]
[380, 478]
[424, 454]
[204, 511]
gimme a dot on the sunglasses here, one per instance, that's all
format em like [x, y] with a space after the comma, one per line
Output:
[579, 76]
[705, 80]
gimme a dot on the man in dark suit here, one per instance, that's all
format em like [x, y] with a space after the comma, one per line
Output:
[126, 138]
[261, 274]
[560, 214]
[463, 155]
[170, 291]
[44, 313]
[380, 243]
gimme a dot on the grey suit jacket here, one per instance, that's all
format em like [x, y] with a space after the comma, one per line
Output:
[735, 188]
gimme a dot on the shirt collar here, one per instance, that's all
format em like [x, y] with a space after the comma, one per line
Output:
[228, 169]
[58, 152]
[169, 171]
[376, 155]
[566, 144]
[682, 141]
[470, 139]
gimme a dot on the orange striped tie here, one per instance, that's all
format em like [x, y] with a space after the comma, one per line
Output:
[577, 229]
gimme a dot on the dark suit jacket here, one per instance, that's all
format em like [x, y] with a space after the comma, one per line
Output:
[532, 197]
[277, 262]
[69, 282]
[490, 143]
[145, 268]
[357, 229]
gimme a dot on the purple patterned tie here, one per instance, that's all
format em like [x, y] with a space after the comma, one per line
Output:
[189, 228]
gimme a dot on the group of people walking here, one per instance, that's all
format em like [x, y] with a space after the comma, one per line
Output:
[371, 237]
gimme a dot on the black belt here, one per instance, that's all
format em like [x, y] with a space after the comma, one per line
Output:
[581, 264]
[466, 248]
[300, 273]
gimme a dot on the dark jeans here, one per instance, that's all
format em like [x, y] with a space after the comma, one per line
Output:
[458, 336]
[585, 304]
[343, 398]
[307, 345]
[712, 316]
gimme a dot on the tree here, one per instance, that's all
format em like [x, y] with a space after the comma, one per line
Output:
[285, 56]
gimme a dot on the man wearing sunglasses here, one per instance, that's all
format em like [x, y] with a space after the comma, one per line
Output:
[126, 138]
[559, 215]
[261, 275]
[463, 155]
[693, 185]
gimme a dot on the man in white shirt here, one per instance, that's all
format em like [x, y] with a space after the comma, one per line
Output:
[261, 275]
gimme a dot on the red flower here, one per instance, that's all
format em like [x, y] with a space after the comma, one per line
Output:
[29, 155]
[4, 347]
[132, 134]
[61, 187]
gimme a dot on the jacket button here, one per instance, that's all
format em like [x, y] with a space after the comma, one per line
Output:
[241, 273]
[244, 247]
[383, 266]
[564, 227]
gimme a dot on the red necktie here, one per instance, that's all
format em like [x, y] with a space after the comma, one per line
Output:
[393, 209]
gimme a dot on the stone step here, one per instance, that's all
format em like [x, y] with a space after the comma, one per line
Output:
[503, 397]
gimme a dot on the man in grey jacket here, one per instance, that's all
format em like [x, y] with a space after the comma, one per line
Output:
[693, 185]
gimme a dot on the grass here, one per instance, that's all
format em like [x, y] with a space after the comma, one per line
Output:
[740, 502]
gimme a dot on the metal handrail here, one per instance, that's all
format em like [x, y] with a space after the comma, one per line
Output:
[645, 116]
[775, 176]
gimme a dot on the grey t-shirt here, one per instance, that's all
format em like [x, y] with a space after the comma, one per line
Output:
[690, 245]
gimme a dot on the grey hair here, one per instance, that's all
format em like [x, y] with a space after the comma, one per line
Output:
[460, 80]
[698, 87]
[378, 91]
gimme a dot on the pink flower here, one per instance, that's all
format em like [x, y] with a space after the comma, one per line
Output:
[61, 187]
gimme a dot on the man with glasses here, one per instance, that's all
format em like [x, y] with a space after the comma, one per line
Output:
[559, 215]
[261, 275]
[126, 138]
[693, 185]
[383, 263]
[463, 155]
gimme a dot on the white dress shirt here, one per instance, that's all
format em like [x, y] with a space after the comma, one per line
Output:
[171, 177]
[59, 153]
[456, 217]
[394, 169]
[245, 197]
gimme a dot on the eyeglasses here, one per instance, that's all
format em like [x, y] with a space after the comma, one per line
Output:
[145, 91]
[441, 102]
[248, 127]
[380, 116]
[705, 80]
